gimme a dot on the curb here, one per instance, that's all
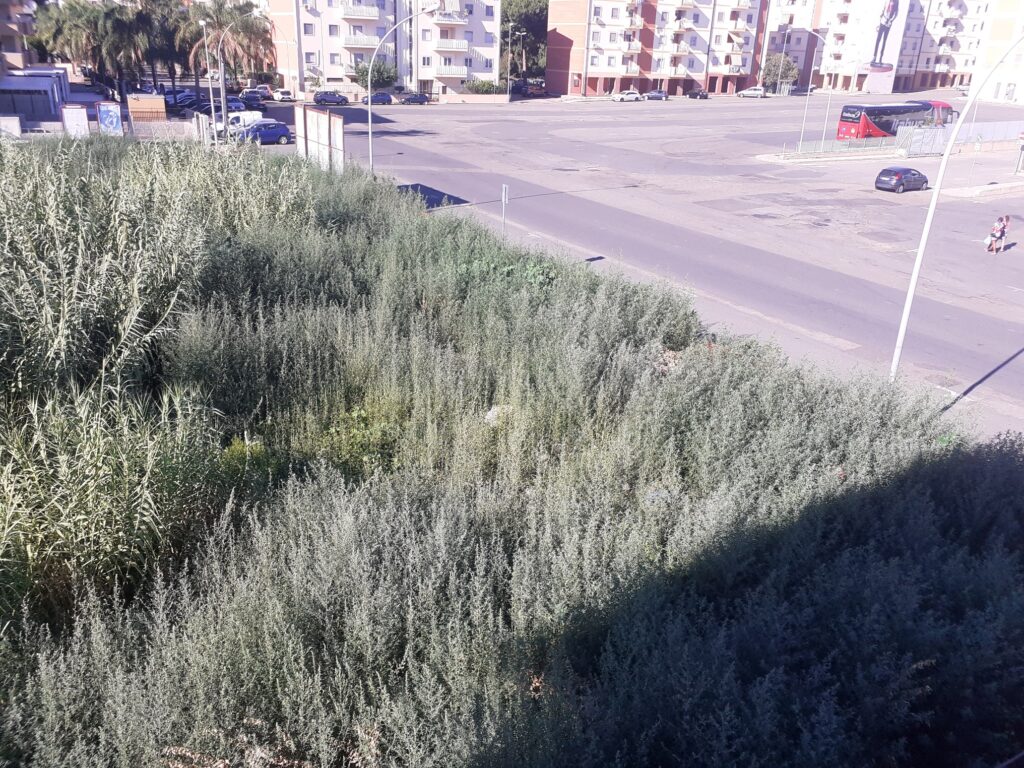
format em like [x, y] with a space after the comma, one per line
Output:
[988, 190]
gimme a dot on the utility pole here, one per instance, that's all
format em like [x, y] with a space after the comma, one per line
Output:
[711, 34]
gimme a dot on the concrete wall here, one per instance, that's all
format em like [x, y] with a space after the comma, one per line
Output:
[472, 98]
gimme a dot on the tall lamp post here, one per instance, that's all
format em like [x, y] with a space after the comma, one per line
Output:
[223, 75]
[828, 106]
[508, 72]
[905, 320]
[369, 76]
[209, 82]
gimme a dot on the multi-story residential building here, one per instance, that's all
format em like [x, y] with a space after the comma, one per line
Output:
[319, 43]
[1004, 25]
[603, 46]
[878, 46]
[16, 24]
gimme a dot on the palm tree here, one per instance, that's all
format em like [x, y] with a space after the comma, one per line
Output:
[123, 43]
[73, 31]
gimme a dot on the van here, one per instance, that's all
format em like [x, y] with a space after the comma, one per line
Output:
[238, 121]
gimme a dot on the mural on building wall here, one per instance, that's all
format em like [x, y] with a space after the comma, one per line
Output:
[886, 33]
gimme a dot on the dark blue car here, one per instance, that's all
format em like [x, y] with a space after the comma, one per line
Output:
[266, 132]
[416, 98]
[380, 98]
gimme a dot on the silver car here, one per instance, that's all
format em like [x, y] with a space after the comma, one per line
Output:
[627, 96]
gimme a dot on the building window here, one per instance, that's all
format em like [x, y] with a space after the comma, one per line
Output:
[611, 63]
[446, 61]
[332, 3]
[359, 58]
[597, 11]
[595, 37]
[664, 16]
[718, 39]
[311, 58]
[593, 61]
[469, 9]
[333, 30]
[468, 62]
[693, 40]
[381, 31]
[489, 11]
[750, 18]
[488, 38]
[488, 63]
[469, 36]
[613, 37]
[425, 61]
[335, 58]
[382, 4]
[426, 35]
[696, 17]
[657, 65]
[307, 29]
[615, 13]
[689, 63]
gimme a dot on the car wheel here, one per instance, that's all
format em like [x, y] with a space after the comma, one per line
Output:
[924, 186]
[900, 189]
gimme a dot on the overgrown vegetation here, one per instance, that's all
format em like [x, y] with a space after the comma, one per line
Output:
[353, 485]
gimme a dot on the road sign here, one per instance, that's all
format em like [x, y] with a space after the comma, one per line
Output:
[504, 202]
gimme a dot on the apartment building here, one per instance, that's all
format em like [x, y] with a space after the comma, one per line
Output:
[603, 46]
[789, 30]
[16, 24]
[1004, 25]
[319, 43]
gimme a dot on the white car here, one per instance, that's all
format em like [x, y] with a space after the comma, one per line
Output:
[283, 95]
[757, 92]
[627, 96]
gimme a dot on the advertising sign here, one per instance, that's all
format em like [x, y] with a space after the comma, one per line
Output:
[883, 39]
[76, 121]
[108, 114]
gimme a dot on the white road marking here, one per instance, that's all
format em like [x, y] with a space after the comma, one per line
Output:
[957, 395]
[1015, 289]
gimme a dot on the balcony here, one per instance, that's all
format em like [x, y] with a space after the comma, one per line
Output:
[944, 67]
[451, 45]
[634, 22]
[632, 45]
[683, 25]
[361, 41]
[451, 19]
[685, 5]
[450, 70]
[735, 69]
[632, 68]
[360, 12]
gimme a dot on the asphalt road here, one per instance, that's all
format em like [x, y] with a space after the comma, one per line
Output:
[809, 256]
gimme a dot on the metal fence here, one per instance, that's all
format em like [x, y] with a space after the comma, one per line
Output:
[836, 147]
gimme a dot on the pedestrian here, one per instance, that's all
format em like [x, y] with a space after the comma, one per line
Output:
[1001, 241]
[992, 241]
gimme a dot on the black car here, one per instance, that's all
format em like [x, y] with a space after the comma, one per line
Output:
[899, 179]
[698, 93]
[330, 98]
[254, 105]
[416, 98]
[656, 95]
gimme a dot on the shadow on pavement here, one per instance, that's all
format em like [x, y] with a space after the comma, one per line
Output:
[433, 198]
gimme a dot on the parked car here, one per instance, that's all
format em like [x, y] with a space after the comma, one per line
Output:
[283, 94]
[416, 98]
[517, 86]
[331, 98]
[899, 179]
[757, 92]
[380, 97]
[656, 95]
[265, 91]
[237, 121]
[266, 132]
[697, 93]
[248, 94]
[180, 93]
[534, 90]
[254, 103]
[186, 102]
[626, 96]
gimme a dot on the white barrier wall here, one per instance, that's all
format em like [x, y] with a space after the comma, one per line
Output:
[320, 137]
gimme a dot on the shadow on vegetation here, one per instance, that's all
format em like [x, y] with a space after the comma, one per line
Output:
[862, 631]
[432, 198]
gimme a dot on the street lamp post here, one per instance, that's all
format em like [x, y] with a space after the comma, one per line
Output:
[209, 82]
[223, 74]
[369, 76]
[916, 273]
[803, 122]
[508, 70]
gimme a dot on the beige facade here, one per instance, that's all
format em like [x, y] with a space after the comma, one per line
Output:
[16, 23]
[1005, 25]
[319, 43]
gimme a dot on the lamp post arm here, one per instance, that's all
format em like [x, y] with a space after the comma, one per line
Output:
[369, 80]
[932, 204]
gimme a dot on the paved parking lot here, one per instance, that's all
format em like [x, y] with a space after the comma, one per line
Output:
[809, 255]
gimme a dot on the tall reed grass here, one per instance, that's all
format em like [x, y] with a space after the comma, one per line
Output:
[531, 517]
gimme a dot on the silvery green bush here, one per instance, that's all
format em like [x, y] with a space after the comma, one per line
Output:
[490, 509]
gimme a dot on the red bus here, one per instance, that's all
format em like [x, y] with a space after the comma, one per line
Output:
[862, 121]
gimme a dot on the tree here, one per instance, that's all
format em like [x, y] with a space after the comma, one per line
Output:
[531, 17]
[779, 68]
[384, 75]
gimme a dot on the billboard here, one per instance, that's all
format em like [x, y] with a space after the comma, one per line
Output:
[76, 121]
[881, 40]
[108, 115]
